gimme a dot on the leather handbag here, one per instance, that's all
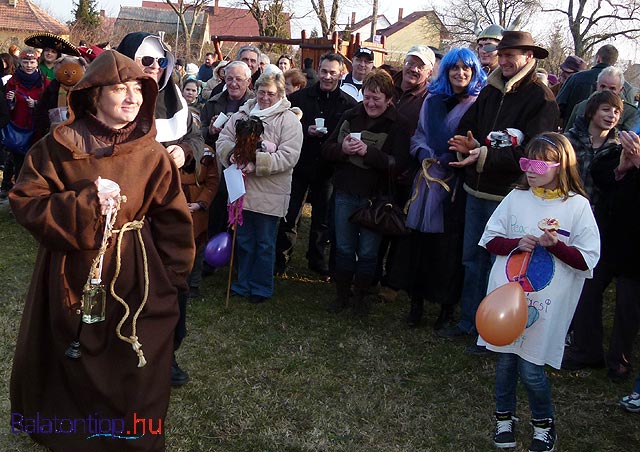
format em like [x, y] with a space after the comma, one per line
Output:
[382, 214]
[17, 139]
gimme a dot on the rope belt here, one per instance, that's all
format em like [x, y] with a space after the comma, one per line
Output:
[424, 174]
[133, 339]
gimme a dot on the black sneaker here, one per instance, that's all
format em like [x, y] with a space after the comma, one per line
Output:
[544, 436]
[504, 436]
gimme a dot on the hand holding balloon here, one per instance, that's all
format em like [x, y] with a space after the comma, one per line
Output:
[502, 315]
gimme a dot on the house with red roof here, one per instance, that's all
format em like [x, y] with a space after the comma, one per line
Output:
[21, 18]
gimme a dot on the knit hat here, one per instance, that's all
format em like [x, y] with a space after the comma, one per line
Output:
[191, 69]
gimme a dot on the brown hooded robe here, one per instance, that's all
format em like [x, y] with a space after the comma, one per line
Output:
[56, 200]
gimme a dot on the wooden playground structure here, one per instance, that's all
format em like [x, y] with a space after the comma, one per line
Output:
[310, 47]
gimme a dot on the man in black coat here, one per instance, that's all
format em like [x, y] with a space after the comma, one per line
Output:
[312, 174]
[580, 86]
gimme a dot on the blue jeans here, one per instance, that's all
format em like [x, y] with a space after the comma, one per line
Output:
[476, 260]
[636, 386]
[356, 247]
[256, 253]
[508, 367]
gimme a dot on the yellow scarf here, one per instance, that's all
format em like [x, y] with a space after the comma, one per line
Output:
[544, 193]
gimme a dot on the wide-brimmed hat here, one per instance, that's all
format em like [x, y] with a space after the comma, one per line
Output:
[573, 64]
[51, 41]
[519, 40]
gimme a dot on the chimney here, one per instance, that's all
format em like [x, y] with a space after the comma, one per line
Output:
[103, 14]
[400, 11]
[353, 18]
[13, 2]
[215, 5]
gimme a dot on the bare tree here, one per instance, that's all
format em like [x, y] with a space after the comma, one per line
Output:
[592, 22]
[327, 23]
[465, 18]
[558, 50]
[181, 8]
[271, 17]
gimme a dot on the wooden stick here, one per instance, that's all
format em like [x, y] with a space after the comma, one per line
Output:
[233, 248]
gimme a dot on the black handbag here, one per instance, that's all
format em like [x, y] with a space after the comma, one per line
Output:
[382, 214]
[17, 139]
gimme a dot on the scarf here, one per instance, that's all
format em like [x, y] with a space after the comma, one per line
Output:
[29, 80]
[255, 111]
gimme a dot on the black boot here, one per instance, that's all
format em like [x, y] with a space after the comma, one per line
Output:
[178, 376]
[361, 298]
[343, 291]
[445, 316]
[417, 308]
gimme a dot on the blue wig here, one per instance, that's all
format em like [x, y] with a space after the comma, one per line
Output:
[441, 85]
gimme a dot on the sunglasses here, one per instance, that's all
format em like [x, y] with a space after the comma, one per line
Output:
[536, 166]
[148, 61]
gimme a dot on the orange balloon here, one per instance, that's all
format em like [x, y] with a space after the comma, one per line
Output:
[502, 314]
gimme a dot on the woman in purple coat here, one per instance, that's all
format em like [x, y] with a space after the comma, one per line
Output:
[436, 207]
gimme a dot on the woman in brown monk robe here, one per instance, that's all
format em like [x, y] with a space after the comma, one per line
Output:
[114, 397]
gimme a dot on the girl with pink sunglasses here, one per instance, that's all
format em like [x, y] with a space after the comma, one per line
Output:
[545, 237]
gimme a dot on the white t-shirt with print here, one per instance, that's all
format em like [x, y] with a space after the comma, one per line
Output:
[552, 288]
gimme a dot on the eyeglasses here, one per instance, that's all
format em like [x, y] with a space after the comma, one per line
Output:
[419, 67]
[269, 94]
[148, 61]
[231, 79]
[537, 166]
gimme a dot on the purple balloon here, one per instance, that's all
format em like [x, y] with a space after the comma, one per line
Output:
[217, 253]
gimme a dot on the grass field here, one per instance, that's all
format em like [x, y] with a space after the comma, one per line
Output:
[288, 376]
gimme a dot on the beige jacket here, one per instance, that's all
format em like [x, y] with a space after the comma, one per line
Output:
[268, 189]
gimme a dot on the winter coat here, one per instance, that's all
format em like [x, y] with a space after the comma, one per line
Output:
[387, 140]
[55, 199]
[200, 185]
[268, 189]
[585, 153]
[616, 213]
[21, 114]
[316, 103]
[213, 107]
[523, 103]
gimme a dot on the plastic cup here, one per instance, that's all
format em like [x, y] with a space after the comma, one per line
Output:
[106, 186]
[220, 121]
[319, 122]
[356, 135]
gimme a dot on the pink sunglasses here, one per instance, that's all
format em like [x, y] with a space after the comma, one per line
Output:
[536, 166]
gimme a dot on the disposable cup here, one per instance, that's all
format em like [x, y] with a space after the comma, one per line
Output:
[356, 135]
[319, 122]
[106, 186]
[220, 121]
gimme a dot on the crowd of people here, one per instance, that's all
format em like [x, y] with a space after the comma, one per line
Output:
[501, 178]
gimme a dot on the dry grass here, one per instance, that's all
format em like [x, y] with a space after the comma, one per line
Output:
[287, 376]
